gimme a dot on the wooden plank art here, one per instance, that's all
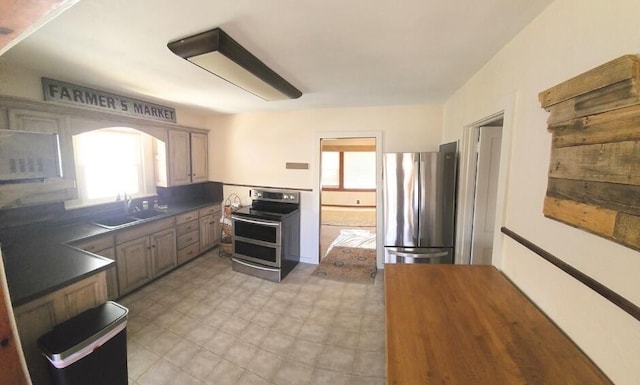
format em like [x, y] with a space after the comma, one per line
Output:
[594, 170]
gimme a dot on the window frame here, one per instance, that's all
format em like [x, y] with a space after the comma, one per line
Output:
[341, 152]
[146, 169]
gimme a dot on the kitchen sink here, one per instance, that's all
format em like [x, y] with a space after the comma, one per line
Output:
[147, 214]
[111, 222]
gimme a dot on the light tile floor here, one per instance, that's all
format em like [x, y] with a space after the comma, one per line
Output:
[206, 324]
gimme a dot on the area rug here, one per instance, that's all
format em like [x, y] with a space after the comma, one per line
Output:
[348, 264]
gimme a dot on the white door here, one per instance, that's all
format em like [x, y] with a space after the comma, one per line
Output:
[488, 166]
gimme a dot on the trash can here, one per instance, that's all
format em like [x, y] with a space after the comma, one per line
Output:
[90, 348]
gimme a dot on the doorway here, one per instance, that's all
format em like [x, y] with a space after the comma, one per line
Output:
[481, 157]
[347, 193]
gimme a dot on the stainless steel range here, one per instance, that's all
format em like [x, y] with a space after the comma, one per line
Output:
[266, 235]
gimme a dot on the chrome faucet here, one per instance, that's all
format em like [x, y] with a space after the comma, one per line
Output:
[126, 199]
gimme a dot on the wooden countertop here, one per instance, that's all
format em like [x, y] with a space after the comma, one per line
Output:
[453, 324]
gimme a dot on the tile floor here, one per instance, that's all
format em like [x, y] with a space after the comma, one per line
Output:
[205, 324]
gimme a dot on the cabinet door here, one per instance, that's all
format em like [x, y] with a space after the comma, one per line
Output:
[163, 250]
[35, 121]
[199, 161]
[134, 264]
[179, 158]
[206, 233]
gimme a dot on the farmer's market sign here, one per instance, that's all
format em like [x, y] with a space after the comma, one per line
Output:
[61, 92]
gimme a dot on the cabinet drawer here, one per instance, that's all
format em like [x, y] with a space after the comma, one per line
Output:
[186, 217]
[188, 253]
[209, 210]
[188, 227]
[95, 244]
[144, 230]
[187, 239]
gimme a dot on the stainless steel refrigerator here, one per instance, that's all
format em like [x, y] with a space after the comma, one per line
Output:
[419, 207]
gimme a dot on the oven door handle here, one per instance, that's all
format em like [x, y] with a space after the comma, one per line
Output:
[253, 266]
[256, 222]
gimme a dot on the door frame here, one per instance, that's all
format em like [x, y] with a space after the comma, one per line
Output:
[480, 178]
[317, 191]
[466, 187]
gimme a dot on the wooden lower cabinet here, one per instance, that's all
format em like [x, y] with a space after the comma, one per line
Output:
[163, 251]
[206, 232]
[133, 260]
[104, 247]
[210, 229]
[188, 231]
[113, 291]
[37, 317]
[142, 259]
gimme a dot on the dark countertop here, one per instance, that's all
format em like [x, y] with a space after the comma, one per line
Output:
[38, 259]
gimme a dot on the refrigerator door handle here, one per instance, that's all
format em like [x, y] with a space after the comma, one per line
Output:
[426, 256]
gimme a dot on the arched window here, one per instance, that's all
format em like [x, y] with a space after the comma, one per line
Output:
[111, 162]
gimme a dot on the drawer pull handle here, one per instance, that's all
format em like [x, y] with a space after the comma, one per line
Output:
[190, 239]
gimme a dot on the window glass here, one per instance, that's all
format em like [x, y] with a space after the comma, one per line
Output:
[330, 169]
[359, 170]
[111, 162]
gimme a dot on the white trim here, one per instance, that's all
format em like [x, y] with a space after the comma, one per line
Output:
[85, 351]
[466, 186]
[317, 189]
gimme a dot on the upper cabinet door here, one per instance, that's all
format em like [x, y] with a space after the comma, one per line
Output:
[199, 161]
[36, 121]
[179, 158]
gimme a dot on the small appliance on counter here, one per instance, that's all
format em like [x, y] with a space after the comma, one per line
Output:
[266, 235]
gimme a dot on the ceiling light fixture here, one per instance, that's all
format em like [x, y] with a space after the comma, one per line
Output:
[218, 53]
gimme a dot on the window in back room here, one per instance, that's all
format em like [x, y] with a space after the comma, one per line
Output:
[350, 169]
[111, 162]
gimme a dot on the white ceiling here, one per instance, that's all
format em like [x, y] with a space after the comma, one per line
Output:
[339, 53]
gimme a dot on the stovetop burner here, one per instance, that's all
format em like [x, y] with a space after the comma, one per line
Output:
[271, 205]
[268, 213]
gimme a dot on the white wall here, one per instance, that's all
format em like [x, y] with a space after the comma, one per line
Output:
[349, 198]
[252, 149]
[568, 38]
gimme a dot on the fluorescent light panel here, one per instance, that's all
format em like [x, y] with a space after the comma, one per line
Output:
[218, 53]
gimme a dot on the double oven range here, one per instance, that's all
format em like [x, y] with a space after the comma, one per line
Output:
[266, 235]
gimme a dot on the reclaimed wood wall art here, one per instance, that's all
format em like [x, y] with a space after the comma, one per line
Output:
[594, 171]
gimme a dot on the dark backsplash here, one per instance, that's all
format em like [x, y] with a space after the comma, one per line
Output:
[209, 191]
[193, 192]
